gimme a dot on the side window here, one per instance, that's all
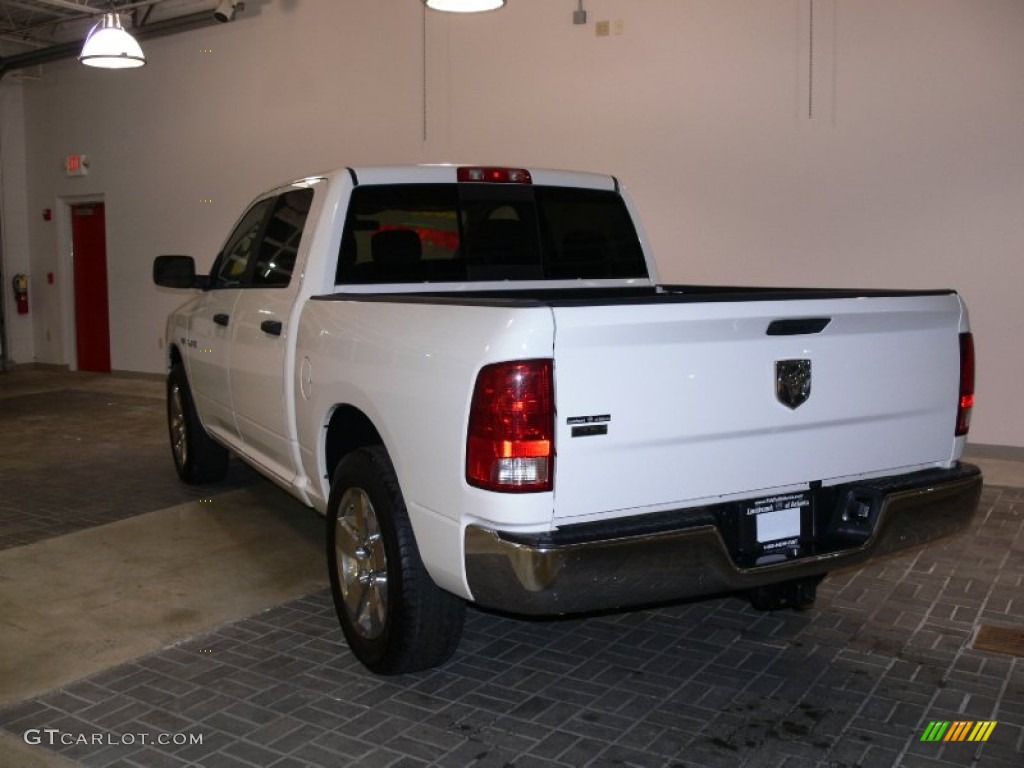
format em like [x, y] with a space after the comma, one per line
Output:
[280, 245]
[230, 267]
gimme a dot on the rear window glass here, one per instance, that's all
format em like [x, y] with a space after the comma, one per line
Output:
[415, 233]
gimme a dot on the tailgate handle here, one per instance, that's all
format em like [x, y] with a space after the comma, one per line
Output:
[802, 326]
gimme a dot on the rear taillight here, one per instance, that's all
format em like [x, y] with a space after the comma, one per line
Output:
[494, 175]
[511, 443]
[966, 402]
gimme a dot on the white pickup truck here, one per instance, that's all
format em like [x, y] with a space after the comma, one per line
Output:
[475, 375]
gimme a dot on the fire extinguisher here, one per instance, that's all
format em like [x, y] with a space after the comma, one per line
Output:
[21, 293]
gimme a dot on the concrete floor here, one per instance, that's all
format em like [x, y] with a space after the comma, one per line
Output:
[134, 608]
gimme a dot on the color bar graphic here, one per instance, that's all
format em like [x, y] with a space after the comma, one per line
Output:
[935, 731]
[959, 730]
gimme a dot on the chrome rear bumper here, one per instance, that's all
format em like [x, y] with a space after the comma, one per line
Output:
[610, 566]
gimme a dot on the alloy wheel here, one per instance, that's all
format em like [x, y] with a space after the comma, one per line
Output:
[362, 563]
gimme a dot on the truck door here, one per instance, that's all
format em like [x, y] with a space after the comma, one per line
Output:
[208, 348]
[260, 337]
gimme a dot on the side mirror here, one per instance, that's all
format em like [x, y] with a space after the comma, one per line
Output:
[176, 272]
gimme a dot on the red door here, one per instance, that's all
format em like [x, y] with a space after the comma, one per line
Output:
[92, 324]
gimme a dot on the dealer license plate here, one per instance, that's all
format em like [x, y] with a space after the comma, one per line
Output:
[777, 519]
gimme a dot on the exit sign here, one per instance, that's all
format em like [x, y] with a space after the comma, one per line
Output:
[76, 165]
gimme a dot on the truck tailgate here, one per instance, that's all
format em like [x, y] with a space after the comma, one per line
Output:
[675, 403]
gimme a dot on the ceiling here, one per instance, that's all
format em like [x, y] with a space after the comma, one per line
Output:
[34, 32]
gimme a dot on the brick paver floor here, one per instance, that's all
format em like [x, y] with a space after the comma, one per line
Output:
[854, 681]
[73, 459]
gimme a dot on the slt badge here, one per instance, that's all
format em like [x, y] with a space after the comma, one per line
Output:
[792, 382]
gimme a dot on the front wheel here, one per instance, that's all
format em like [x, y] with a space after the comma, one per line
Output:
[394, 617]
[197, 457]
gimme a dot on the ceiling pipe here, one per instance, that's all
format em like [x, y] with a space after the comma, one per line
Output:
[72, 49]
[85, 11]
[67, 5]
[74, 18]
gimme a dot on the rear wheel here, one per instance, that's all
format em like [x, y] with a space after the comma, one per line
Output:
[394, 617]
[197, 457]
[798, 594]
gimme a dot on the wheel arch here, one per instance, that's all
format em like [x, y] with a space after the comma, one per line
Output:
[439, 539]
[174, 356]
[347, 430]
[421, 623]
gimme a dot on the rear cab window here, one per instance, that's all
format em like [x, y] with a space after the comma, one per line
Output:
[423, 233]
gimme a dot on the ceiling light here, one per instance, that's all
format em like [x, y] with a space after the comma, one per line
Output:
[464, 6]
[110, 47]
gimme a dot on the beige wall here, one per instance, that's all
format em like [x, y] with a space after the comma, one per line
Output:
[910, 173]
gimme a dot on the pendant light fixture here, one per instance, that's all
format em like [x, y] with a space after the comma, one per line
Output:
[109, 46]
[464, 6]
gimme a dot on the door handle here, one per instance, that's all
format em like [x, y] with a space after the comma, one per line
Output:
[221, 319]
[272, 327]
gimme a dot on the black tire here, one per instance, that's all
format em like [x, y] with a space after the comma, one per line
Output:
[395, 618]
[197, 457]
[798, 594]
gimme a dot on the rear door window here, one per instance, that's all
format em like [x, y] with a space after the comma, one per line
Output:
[262, 248]
[229, 270]
[280, 244]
